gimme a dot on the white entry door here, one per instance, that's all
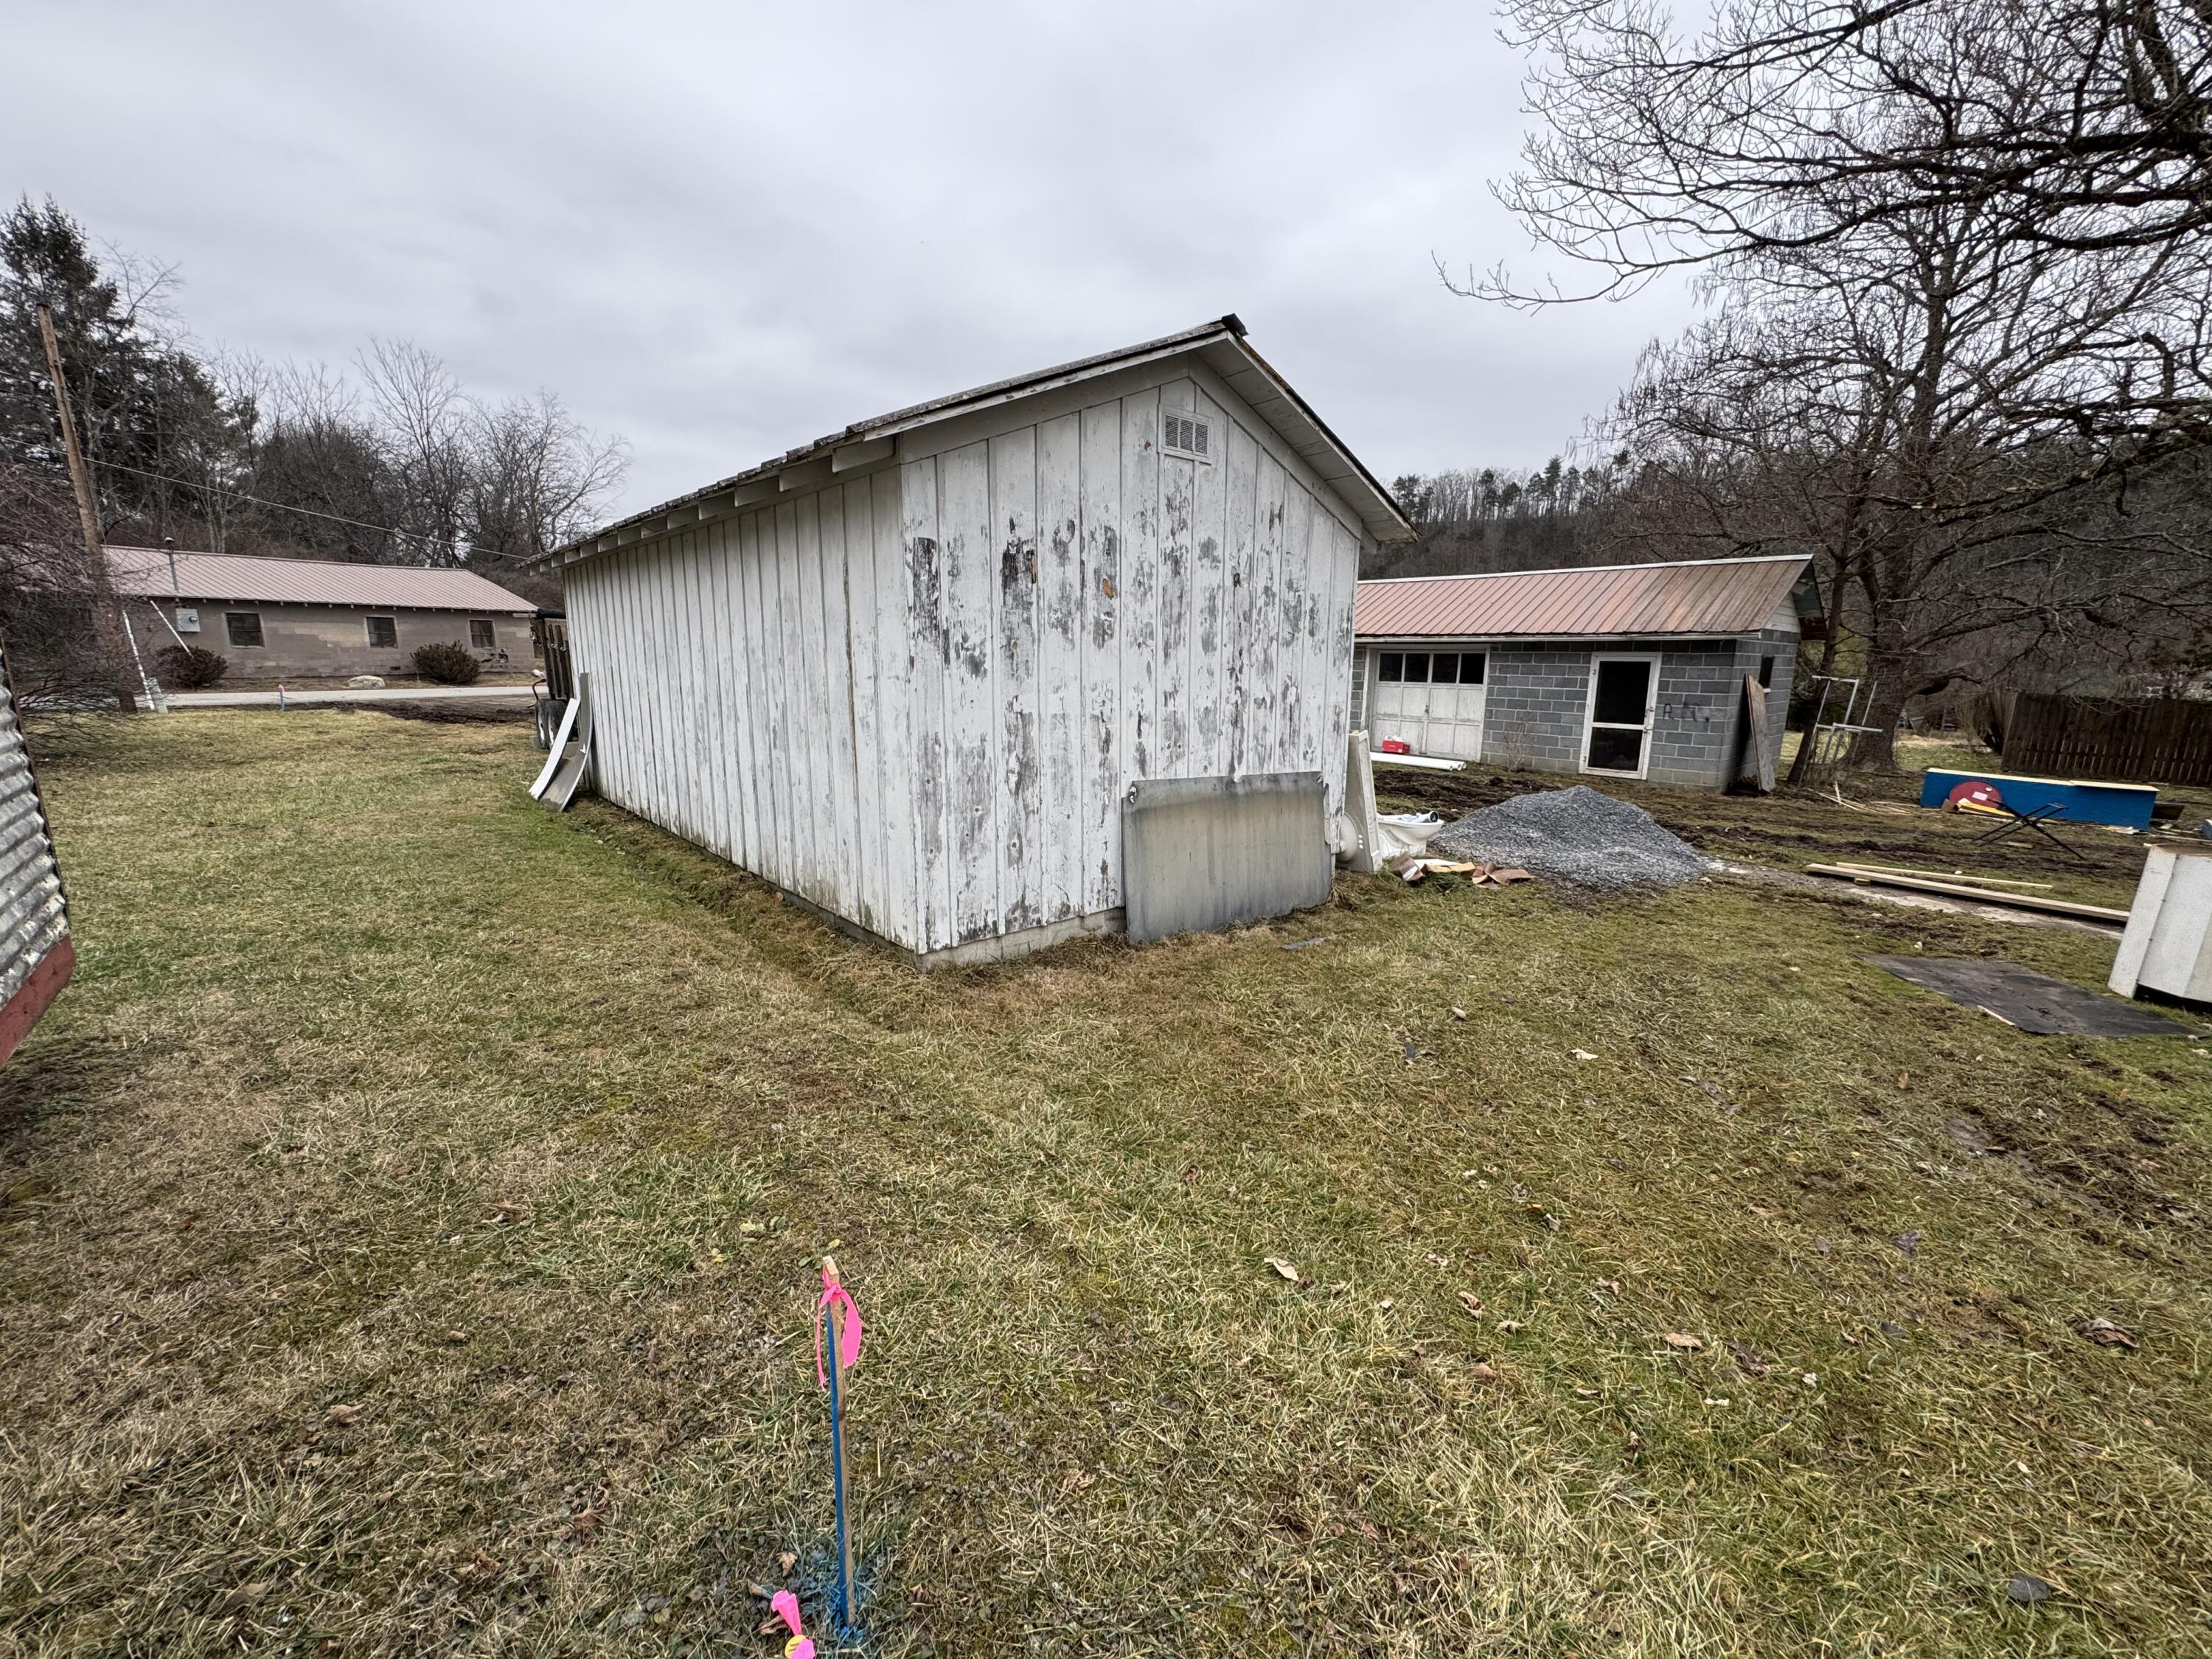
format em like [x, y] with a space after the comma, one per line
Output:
[1432, 700]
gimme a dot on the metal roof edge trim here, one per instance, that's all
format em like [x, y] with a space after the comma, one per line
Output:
[1576, 569]
[1227, 329]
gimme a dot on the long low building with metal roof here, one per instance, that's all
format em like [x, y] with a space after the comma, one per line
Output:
[270, 618]
[1633, 671]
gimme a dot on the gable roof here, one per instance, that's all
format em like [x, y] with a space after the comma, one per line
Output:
[1699, 598]
[1220, 344]
[143, 573]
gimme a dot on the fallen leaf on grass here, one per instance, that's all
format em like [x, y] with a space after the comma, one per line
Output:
[785, 1561]
[1472, 1302]
[457, 1337]
[1685, 1341]
[1586, 1394]
[343, 1415]
[1748, 1360]
[1582, 1054]
[1287, 1269]
[1459, 1013]
[2105, 1333]
[1483, 1372]
[1909, 1240]
[1509, 1325]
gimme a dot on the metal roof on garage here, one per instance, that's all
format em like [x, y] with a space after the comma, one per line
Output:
[1702, 598]
[144, 572]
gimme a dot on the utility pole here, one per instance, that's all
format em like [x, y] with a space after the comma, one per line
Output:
[105, 611]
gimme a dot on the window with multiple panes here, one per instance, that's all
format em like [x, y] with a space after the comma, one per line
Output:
[384, 632]
[481, 636]
[1186, 434]
[1431, 667]
[243, 627]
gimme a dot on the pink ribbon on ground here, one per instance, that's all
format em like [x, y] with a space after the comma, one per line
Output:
[849, 1344]
[785, 1605]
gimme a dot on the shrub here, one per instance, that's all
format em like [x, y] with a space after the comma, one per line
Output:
[445, 664]
[188, 668]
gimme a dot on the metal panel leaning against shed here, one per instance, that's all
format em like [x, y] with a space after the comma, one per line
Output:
[936, 648]
[36, 952]
[1205, 854]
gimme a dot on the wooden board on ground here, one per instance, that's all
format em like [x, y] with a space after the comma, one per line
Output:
[2036, 1003]
[1961, 889]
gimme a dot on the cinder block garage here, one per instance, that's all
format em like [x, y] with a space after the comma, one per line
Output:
[1624, 671]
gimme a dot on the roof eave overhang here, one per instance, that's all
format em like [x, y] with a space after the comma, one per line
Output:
[1221, 345]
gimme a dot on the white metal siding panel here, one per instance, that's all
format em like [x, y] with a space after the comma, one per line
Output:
[971, 707]
[1177, 487]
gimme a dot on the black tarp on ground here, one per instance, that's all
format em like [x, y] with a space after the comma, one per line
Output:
[2036, 1003]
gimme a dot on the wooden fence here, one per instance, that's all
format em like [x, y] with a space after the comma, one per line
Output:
[2162, 740]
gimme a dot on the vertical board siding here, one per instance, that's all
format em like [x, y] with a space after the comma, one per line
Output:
[933, 656]
[1013, 460]
[1099, 632]
[971, 721]
[918, 699]
[1059, 664]
[895, 646]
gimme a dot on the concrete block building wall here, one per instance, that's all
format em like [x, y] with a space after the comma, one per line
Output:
[329, 640]
[1538, 694]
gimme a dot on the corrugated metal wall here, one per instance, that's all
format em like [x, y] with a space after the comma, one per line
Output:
[918, 699]
[34, 919]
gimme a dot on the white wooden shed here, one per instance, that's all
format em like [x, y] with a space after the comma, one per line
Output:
[909, 673]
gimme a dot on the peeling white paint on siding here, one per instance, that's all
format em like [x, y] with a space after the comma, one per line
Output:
[916, 697]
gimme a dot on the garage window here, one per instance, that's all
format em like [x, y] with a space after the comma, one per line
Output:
[243, 627]
[1393, 667]
[481, 636]
[384, 632]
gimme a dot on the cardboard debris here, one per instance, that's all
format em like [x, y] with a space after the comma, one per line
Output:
[1411, 869]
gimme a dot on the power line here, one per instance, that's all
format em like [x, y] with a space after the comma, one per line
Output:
[259, 500]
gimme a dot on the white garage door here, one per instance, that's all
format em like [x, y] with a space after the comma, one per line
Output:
[1432, 700]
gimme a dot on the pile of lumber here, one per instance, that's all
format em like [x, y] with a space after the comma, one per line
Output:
[1984, 890]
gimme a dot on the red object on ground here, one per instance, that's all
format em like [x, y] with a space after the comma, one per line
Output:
[1974, 791]
[1396, 746]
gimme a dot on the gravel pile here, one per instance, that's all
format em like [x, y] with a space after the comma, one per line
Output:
[1575, 836]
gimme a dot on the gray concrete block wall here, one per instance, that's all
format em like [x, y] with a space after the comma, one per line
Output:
[1533, 711]
[331, 639]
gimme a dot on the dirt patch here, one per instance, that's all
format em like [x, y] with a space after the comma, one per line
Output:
[505, 711]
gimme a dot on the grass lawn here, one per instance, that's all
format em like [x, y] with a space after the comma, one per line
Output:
[411, 1212]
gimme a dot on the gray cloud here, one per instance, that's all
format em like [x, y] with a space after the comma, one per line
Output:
[725, 230]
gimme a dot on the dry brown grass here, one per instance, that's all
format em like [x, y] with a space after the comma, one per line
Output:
[367, 1052]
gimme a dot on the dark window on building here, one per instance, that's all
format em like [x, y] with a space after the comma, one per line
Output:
[384, 632]
[1767, 671]
[1443, 668]
[1416, 667]
[243, 627]
[1472, 664]
[1393, 666]
[1623, 689]
[480, 635]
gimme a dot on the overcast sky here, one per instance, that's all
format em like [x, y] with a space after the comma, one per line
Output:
[722, 230]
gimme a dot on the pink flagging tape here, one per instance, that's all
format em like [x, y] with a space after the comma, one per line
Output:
[785, 1606]
[834, 1294]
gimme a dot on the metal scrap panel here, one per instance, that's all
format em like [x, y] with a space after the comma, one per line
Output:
[1199, 855]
